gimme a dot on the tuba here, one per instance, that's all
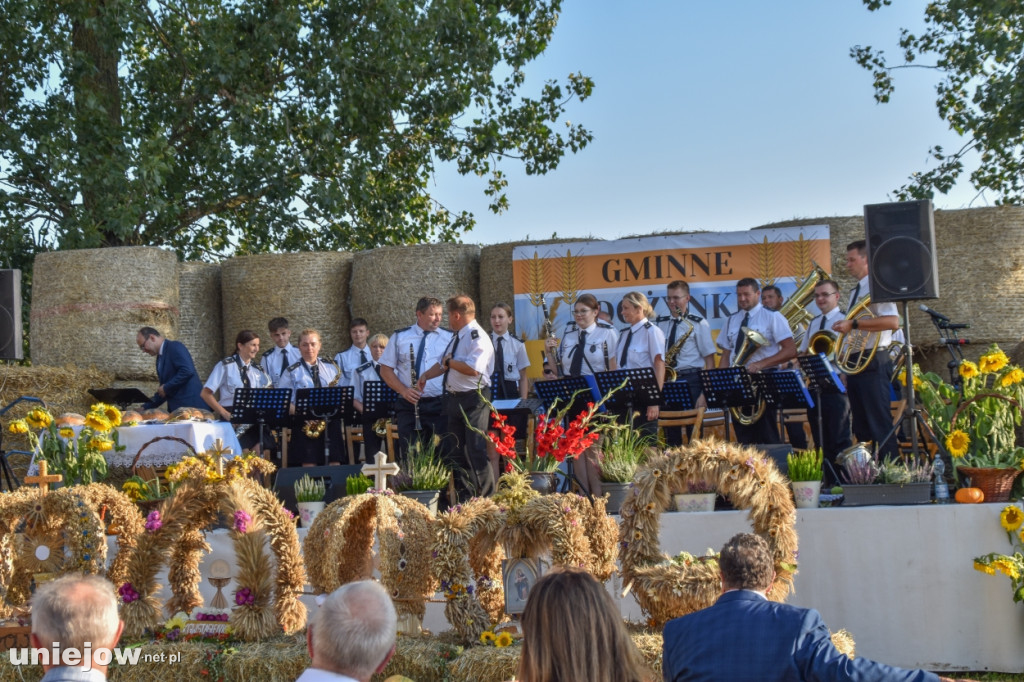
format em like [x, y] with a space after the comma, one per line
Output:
[751, 342]
[795, 308]
[673, 352]
[856, 349]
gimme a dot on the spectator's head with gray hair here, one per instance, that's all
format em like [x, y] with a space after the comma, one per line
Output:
[76, 611]
[353, 631]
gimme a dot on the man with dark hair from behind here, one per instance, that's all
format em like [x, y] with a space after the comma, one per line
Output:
[745, 637]
[75, 612]
[351, 637]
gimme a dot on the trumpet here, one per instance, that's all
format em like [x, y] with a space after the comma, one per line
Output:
[673, 352]
[751, 342]
[856, 349]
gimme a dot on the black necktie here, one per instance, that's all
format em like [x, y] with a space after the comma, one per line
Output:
[576, 367]
[672, 334]
[315, 371]
[362, 356]
[419, 354]
[822, 325]
[376, 368]
[244, 371]
[455, 345]
[499, 363]
[284, 360]
[625, 349]
[856, 296]
[740, 335]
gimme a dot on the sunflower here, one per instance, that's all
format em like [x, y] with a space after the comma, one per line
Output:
[968, 370]
[1014, 376]
[97, 421]
[984, 568]
[993, 361]
[957, 443]
[487, 637]
[1011, 518]
[112, 414]
[1007, 567]
[503, 640]
[18, 426]
[100, 443]
[39, 418]
[66, 432]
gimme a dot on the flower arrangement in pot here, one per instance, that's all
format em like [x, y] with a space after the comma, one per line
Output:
[892, 482]
[78, 457]
[978, 424]
[699, 496]
[805, 477]
[426, 475]
[623, 450]
[309, 498]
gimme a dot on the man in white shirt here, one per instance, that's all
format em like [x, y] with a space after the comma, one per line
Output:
[356, 355]
[351, 637]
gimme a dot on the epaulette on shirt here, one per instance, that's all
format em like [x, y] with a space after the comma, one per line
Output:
[694, 318]
[403, 329]
[570, 326]
[647, 324]
[229, 360]
[360, 368]
[269, 352]
[604, 325]
[513, 336]
[664, 318]
[292, 368]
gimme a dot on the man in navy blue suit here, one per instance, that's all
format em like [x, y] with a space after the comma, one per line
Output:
[743, 636]
[179, 382]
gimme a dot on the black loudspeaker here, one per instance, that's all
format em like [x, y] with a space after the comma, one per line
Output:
[901, 251]
[10, 315]
[333, 477]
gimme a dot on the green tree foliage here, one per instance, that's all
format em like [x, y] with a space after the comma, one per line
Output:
[977, 46]
[221, 126]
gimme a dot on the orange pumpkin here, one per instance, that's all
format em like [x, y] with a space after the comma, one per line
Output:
[970, 496]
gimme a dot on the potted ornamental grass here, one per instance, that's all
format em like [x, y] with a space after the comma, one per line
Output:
[805, 477]
[892, 482]
[426, 475]
[699, 497]
[309, 498]
[358, 484]
[623, 450]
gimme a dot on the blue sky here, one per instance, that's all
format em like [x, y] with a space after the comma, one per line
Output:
[720, 116]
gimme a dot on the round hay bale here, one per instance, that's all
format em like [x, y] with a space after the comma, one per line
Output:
[387, 282]
[496, 284]
[309, 289]
[201, 325]
[88, 304]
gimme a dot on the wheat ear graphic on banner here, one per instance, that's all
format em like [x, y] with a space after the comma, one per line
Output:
[766, 262]
[800, 263]
[535, 287]
[572, 277]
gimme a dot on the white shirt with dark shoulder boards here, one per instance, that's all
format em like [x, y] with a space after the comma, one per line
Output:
[595, 337]
[348, 360]
[402, 349]
[814, 326]
[698, 344]
[226, 376]
[879, 309]
[473, 348]
[514, 352]
[276, 360]
[368, 371]
[772, 325]
[300, 375]
[645, 343]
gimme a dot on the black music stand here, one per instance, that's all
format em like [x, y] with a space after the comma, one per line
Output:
[122, 397]
[329, 403]
[260, 407]
[378, 401]
[640, 389]
[678, 395]
[785, 389]
[728, 387]
[822, 379]
[569, 391]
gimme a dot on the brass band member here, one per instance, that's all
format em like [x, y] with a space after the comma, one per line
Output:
[356, 355]
[282, 354]
[869, 390]
[369, 371]
[466, 368]
[312, 372]
[772, 299]
[510, 358]
[587, 347]
[413, 350]
[835, 407]
[642, 344]
[780, 348]
[236, 371]
[696, 353]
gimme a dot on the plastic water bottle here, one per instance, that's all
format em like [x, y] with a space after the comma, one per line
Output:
[941, 488]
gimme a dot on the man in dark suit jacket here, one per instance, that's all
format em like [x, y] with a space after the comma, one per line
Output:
[743, 636]
[179, 382]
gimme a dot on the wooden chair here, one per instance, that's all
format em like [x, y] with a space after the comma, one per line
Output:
[353, 435]
[682, 418]
[795, 416]
[713, 423]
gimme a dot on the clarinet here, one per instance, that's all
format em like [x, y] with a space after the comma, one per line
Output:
[604, 347]
[549, 330]
[412, 373]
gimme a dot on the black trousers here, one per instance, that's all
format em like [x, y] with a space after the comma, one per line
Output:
[870, 394]
[836, 433]
[465, 449]
[764, 430]
[433, 421]
[372, 443]
[303, 450]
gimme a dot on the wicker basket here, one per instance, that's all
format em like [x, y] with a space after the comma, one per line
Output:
[994, 483]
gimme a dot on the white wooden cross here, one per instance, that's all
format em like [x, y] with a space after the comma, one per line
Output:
[218, 451]
[380, 470]
[43, 479]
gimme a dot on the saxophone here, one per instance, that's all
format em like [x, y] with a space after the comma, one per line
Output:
[314, 429]
[673, 352]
